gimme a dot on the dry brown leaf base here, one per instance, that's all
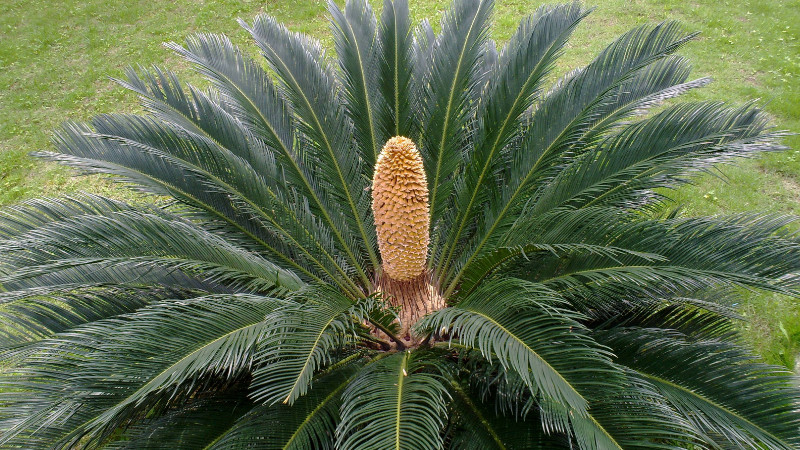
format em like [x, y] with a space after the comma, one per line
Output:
[415, 298]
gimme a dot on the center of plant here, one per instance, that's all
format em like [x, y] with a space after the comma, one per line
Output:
[402, 222]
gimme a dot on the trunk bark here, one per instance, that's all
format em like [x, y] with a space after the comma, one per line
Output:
[416, 298]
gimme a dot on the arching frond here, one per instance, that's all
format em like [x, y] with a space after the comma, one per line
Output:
[729, 397]
[393, 403]
[452, 73]
[513, 86]
[519, 323]
[300, 341]
[308, 424]
[143, 238]
[358, 52]
[83, 385]
[624, 77]
[658, 152]
[36, 313]
[162, 161]
[311, 87]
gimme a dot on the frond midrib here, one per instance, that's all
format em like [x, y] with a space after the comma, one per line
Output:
[400, 381]
[526, 346]
[310, 355]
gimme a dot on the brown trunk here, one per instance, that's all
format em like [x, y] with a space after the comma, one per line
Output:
[416, 298]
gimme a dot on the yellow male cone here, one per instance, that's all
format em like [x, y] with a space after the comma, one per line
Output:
[400, 206]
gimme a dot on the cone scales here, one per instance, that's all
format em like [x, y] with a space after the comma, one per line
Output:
[400, 206]
[402, 220]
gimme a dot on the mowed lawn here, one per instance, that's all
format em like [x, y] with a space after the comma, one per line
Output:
[56, 59]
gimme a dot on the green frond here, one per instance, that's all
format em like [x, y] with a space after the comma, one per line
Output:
[638, 417]
[203, 114]
[84, 384]
[512, 88]
[18, 219]
[630, 415]
[199, 424]
[393, 403]
[479, 427]
[32, 314]
[164, 162]
[250, 95]
[659, 152]
[397, 61]
[310, 85]
[299, 340]
[485, 266]
[358, 52]
[519, 324]
[144, 238]
[452, 74]
[701, 253]
[623, 79]
[308, 424]
[728, 396]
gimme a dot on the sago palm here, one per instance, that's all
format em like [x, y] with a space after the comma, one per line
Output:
[422, 242]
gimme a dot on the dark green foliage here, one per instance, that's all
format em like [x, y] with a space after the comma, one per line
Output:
[581, 312]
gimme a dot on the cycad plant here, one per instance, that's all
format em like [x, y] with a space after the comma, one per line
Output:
[422, 242]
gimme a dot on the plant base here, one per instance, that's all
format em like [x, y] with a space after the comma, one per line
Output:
[415, 298]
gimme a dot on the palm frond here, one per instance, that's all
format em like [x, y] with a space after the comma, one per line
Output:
[397, 61]
[84, 384]
[700, 253]
[310, 85]
[568, 113]
[158, 159]
[519, 323]
[659, 152]
[490, 263]
[300, 340]
[631, 415]
[36, 313]
[477, 426]
[145, 238]
[451, 76]
[250, 95]
[635, 416]
[31, 214]
[358, 53]
[393, 402]
[201, 113]
[200, 423]
[729, 397]
[308, 424]
[513, 87]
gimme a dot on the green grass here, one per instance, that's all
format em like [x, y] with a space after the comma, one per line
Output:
[56, 57]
